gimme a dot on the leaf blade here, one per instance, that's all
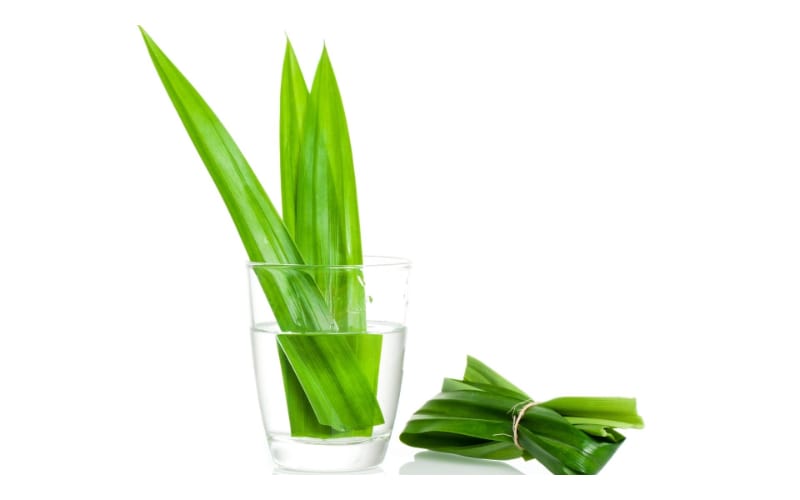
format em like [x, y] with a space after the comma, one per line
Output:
[476, 417]
[294, 99]
[293, 295]
[478, 371]
[327, 226]
[320, 359]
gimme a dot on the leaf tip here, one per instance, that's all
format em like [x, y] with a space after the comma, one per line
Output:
[146, 36]
[324, 56]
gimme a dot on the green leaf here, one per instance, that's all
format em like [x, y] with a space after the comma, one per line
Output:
[477, 371]
[327, 229]
[620, 411]
[325, 358]
[293, 294]
[294, 298]
[294, 98]
[475, 417]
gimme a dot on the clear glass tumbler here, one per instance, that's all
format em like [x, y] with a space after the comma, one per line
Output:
[328, 345]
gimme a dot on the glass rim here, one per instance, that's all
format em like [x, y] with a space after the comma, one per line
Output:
[370, 261]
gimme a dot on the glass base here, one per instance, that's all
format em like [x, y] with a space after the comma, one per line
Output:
[327, 455]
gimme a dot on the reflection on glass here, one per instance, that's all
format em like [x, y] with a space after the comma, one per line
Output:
[433, 463]
[278, 471]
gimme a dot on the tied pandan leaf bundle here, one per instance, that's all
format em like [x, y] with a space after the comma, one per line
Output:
[330, 381]
[486, 416]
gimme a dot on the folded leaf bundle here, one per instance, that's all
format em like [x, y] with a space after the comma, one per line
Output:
[330, 381]
[486, 416]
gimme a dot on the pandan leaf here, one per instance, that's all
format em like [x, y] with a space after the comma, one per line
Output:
[294, 296]
[317, 355]
[297, 304]
[474, 417]
[294, 97]
[476, 371]
[327, 229]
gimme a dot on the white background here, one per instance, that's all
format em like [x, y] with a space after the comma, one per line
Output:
[600, 198]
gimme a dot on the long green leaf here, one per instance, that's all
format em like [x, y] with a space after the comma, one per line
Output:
[317, 355]
[475, 417]
[622, 411]
[297, 305]
[293, 295]
[294, 98]
[327, 228]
